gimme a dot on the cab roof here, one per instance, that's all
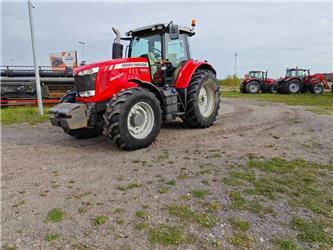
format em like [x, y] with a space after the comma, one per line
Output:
[291, 69]
[154, 28]
[257, 71]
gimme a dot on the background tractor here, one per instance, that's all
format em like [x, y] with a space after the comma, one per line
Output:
[129, 97]
[300, 80]
[256, 81]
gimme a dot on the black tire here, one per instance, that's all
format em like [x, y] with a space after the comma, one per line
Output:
[116, 118]
[253, 87]
[242, 88]
[81, 133]
[291, 87]
[86, 133]
[193, 116]
[317, 88]
[273, 89]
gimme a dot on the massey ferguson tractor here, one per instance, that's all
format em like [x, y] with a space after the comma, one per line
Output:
[128, 98]
[256, 81]
[300, 80]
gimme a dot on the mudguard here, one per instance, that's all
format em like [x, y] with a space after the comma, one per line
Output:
[186, 72]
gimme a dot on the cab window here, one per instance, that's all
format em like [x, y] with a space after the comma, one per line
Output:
[176, 50]
[147, 45]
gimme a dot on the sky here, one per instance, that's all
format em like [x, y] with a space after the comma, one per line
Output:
[266, 35]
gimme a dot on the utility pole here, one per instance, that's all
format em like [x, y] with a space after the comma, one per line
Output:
[82, 44]
[235, 66]
[34, 54]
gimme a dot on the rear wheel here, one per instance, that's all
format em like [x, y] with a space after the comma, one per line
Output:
[203, 99]
[133, 118]
[253, 87]
[317, 88]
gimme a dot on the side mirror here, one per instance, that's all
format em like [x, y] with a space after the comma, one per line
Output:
[174, 32]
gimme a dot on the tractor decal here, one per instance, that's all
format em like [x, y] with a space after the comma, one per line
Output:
[130, 65]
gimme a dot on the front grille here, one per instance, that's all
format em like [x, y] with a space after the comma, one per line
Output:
[85, 83]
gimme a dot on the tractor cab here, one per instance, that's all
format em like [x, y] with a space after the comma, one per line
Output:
[257, 74]
[296, 72]
[165, 46]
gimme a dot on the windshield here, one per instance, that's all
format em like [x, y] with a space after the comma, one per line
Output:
[254, 74]
[294, 72]
[146, 46]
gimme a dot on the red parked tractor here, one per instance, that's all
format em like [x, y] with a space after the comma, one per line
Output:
[300, 80]
[256, 81]
[129, 97]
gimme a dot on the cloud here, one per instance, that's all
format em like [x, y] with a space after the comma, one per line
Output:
[269, 36]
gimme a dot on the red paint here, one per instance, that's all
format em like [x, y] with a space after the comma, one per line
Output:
[186, 72]
[110, 81]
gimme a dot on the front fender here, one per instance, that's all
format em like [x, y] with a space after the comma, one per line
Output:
[187, 70]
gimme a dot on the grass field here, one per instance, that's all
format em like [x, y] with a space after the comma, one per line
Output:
[320, 104]
[22, 114]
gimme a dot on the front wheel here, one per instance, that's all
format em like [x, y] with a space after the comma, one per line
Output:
[242, 88]
[133, 118]
[203, 99]
[317, 88]
[273, 89]
[86, 133]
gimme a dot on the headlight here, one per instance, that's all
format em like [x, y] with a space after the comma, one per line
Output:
[88, 71]
[88, 93]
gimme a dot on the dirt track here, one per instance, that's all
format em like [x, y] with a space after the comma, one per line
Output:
[43, 168]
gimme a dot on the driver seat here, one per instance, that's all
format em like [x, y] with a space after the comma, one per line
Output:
[152, 62]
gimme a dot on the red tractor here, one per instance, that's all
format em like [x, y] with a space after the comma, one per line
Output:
[128, 98]
[256, 81]
[300, 80]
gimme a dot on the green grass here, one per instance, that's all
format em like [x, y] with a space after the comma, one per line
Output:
[141, 214]
[238, 202]
[311, 232]
[166, 235]
[29, 115]
[186, 213]
[238, 224]
[241, 239]
[171, 182]
[320, 104]
[199, 193]
[285, 244]
[305, 183]
[140, 226]
[100, 220]
[52, 237]
[129, 186]
[55, 215]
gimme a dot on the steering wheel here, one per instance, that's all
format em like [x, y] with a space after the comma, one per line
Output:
[157, 53]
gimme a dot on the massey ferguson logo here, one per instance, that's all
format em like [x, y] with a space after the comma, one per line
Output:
[130, 65]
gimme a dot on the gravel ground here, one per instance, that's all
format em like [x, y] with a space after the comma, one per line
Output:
[43, 168]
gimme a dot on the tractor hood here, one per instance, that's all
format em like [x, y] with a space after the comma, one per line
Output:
[111, 64]
[99, 81]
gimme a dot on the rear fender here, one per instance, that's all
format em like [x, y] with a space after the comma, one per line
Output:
[186, 72]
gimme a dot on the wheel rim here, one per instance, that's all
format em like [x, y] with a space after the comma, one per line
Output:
[254, 88]
[206, 98]
[317, 89]
[140, 120]
[294, 87]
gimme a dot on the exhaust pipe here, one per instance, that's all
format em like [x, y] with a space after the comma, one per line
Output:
[117, 47]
